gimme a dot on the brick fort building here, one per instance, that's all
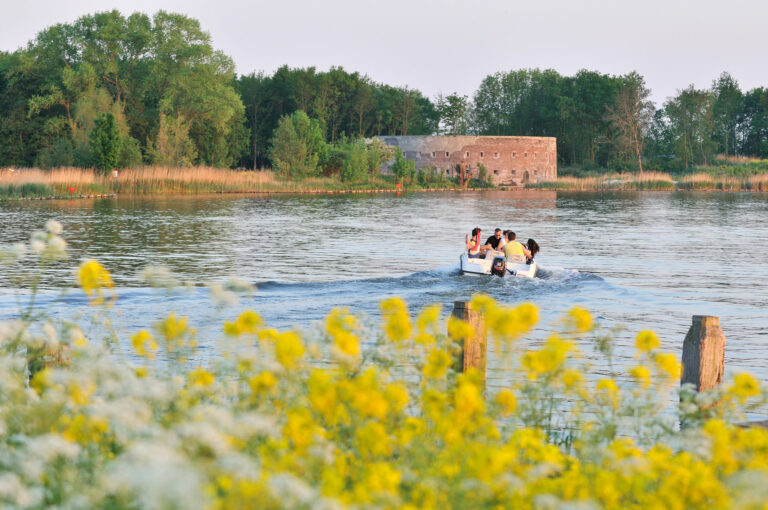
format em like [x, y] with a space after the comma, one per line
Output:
[509, 160]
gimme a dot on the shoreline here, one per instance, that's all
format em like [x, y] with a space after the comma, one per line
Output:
[533, 189]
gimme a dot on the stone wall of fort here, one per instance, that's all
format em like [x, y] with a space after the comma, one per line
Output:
[509, 160]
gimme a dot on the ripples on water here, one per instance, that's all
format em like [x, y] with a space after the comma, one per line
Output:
[641, 260]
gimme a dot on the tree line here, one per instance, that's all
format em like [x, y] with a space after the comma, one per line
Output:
[114, 90]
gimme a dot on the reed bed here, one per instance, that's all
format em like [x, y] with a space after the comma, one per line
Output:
[704, 181]
[20, 183]
[616, 181]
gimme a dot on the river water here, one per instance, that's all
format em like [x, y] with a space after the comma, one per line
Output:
[640, 260]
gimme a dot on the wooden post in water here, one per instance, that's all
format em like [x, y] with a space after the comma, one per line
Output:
[474, 348]
[703, 353]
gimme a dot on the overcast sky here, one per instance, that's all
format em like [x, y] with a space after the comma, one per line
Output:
[451, 45]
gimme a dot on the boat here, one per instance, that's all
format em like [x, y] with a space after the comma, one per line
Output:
[495, 263]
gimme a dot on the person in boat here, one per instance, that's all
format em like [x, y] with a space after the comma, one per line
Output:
[474, 249]
[533, 247]
[492, 243]
[514, 247]
[503, 241]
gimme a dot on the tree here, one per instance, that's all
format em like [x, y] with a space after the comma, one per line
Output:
[454, 113]
[104, 142]
[355, 164]
[726, 107]
[297, 146]
[172, 145]
[630, 116]
[402, 167]
[690, 118]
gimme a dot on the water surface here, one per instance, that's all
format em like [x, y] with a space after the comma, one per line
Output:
[642, 260]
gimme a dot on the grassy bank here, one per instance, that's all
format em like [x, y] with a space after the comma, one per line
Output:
[63, 182]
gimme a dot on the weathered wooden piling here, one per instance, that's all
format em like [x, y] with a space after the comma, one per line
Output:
[473, 348]
[703, 353]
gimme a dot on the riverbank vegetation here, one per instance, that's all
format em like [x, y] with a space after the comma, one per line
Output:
[157, 92]
[355, 415]
[66, 182]
[729, 174]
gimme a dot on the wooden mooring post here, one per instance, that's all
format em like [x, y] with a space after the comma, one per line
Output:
[703, 353]
[474, 348]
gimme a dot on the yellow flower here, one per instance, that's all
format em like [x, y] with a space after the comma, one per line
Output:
[340, 327]
[647, 341]
[93, 278]
[144, 344]
[299, 428]
[438, 362]
[607, 392]
[174, 330]
[397, 321]
[641, 374]
[288, 349]
[247, 323]
[200, 377]
[668, 364]
[262, 381]
[428, 318]
[507, 401]
[468, 399]
[83, 429]
[81, 394]
[372, 440]
[579, 319]
[459, 329]
[744, 386]
[572, 379]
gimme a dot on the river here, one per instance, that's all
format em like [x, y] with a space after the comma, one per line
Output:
[636, 260]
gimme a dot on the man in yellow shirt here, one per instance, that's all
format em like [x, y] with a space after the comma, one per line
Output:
[515, 248]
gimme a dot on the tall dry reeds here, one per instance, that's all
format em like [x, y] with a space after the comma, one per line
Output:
[161, 179]
[616, 181]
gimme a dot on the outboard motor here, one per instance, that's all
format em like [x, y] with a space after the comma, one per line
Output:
[499, 266]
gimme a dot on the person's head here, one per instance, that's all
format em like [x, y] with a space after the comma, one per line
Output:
[510, 235]
[533, 247]
[475, 231]
[497, 233]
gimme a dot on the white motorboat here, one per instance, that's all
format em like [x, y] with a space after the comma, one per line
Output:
[495, 263]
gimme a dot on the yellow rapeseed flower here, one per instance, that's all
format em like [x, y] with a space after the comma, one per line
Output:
[668, 364]
[397, 322]
[200, 377]
[428, 318]
[579, 320]
[92, 277]
[144, 344]
[262, 382]
[507, 401]
[247, 322]
[744, 386]
[288, 349]
[641, 374]
[607, 392]
[437, 363]
[646, 341]
[459, 329]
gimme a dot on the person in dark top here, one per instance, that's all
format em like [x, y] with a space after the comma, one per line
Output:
[493, 241]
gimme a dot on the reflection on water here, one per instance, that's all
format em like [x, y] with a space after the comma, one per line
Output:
[643, 260]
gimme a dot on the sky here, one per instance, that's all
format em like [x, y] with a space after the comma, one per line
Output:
[449, 46]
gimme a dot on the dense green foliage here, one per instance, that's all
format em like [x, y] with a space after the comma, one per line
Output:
[140, 69]
[344, 103]
[104, 142]
[177, 102]
[297, 146]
